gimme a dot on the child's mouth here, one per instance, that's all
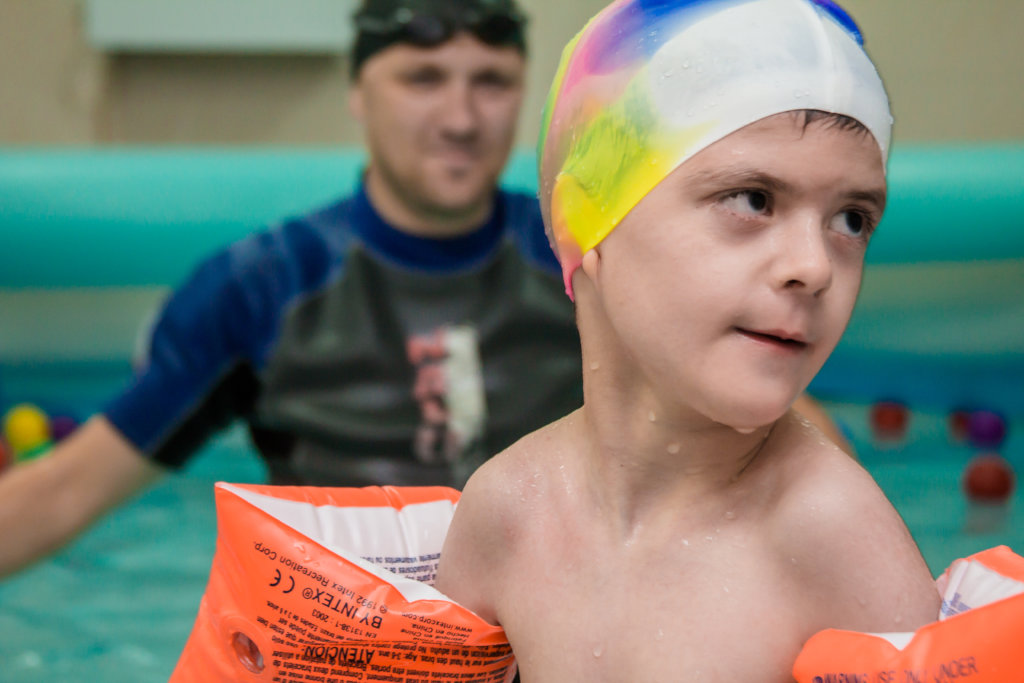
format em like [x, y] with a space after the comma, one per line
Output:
[776, 338]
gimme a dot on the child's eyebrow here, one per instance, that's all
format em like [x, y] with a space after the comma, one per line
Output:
[876, 197]
[743, 178]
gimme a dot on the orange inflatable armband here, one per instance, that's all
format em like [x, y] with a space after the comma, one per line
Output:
[333, 585]
[978, 638]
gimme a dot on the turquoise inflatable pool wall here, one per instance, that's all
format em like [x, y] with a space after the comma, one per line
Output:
[941, 317]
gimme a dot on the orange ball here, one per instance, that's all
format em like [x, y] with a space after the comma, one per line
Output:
[989, 478]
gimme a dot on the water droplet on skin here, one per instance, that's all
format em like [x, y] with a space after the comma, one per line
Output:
[686, 542]
[709, 538]
[861, 601]
[595, 366]
[729, 514]
[798, 94]
[725, 588]
[793, 560]
[673, 448]
[898, 619]
[598, 651]
[661, 634]
[744, 430]
[652, 417]
[668, 73]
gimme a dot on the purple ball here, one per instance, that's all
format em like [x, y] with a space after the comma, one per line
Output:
[61, 426]
[986, 429]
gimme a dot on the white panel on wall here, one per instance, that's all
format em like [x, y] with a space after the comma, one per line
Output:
[237, 26]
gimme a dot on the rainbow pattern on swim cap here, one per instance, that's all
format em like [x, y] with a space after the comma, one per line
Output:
[649, 83]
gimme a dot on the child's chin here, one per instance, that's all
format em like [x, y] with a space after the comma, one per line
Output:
[752, 420]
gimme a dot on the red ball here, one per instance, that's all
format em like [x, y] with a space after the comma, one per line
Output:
[889, 420]
[989, 478]
[958, 425]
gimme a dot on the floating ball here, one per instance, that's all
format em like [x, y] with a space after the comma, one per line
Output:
[958, 422]
[889, 420]
[986, 429]
[61, 426]
[26, 427]
[988, 478]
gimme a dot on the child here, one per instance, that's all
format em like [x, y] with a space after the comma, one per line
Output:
[711, 172]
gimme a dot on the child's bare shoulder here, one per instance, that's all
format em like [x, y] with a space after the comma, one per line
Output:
[498, 505]
[513, 478]
[844, 538]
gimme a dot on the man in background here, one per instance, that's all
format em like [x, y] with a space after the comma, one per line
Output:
[398, 336]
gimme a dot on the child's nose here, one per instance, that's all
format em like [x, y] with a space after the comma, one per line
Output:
[803, 262]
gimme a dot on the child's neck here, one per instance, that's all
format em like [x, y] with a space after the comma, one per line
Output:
[646, 446]
[639, 455]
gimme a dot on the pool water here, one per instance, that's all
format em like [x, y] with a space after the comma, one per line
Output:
[922, 476]
[119, 603]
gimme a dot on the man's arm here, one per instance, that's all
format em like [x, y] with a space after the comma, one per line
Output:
[47, 502]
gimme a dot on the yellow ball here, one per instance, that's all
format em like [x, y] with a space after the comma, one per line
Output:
[26, 427]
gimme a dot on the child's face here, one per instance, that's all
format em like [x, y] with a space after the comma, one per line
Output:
[731, 282]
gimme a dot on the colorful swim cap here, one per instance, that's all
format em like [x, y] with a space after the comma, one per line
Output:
[649, 83]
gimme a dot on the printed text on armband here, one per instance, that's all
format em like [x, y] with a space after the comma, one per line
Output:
[960, 668]
[302, 569]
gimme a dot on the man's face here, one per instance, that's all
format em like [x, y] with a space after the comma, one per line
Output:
[732, 281]
[439, 124]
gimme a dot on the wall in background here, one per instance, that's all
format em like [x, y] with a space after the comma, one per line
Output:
[951, 68]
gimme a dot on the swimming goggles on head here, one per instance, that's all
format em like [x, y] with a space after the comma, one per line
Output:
[495, 22]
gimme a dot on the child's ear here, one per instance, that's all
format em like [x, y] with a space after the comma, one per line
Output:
[591, 264]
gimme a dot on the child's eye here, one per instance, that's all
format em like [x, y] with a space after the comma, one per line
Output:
[852, 223]
[748, 202]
